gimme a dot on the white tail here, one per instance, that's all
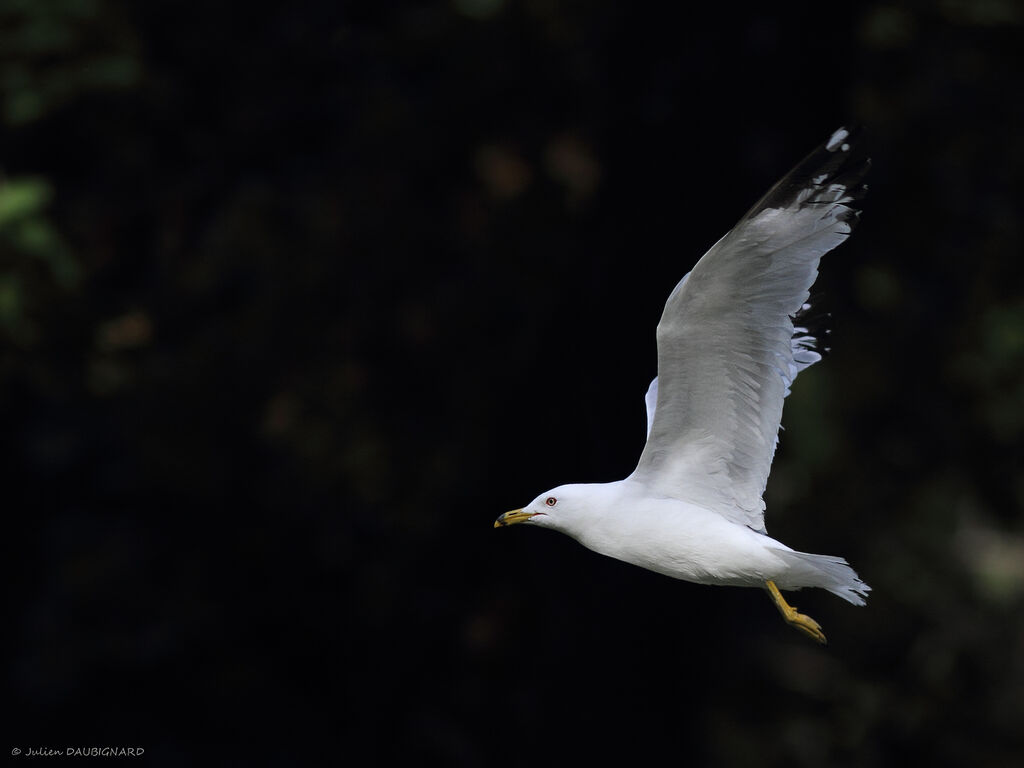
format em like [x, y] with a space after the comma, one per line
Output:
[825, 571]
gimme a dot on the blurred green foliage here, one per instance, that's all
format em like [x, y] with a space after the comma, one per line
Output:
[54, 51]
[29, 241]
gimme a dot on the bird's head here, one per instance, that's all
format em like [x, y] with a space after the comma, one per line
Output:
[560, 508]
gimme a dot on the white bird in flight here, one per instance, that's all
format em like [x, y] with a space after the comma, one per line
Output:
[728, 351]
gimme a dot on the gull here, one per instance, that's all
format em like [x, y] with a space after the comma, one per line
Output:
[730, 345]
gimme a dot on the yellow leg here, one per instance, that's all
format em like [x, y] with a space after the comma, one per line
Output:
[805, 624]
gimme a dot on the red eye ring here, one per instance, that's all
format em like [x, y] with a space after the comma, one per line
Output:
[551, 501]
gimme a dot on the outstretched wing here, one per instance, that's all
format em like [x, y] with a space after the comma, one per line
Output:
[805, 344]
[727, 347]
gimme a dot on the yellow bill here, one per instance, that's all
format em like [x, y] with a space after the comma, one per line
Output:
[513, 517]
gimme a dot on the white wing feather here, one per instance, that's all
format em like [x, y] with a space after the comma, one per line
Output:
[727, 347]
[805, 354]
[651, 401]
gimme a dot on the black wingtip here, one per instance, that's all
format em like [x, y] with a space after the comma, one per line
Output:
[840, 159]
[844, 138]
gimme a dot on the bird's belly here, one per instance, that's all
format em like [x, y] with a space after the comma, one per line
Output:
[691, 544]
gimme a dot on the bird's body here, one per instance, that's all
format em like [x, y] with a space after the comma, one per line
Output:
[670, 536]
[728, 351]
[687, 541]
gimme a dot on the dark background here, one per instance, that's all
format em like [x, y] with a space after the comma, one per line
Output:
[295, 299]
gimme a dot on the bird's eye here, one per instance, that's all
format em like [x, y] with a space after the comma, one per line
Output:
[551, 501]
